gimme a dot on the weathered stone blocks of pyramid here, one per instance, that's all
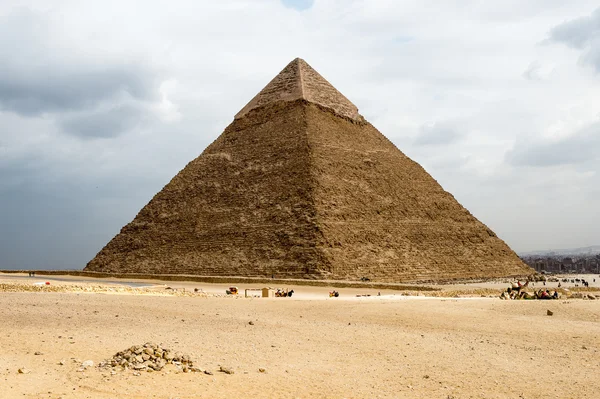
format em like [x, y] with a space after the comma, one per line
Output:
[301, 186]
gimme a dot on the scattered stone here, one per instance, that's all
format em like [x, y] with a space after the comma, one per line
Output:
[251, 322]
[549, 312]
[62, 363]
[150, 357]
[38, 353]
[23, 370]
[208, 372]
[261, 370]
[87, 363]
[226, 370]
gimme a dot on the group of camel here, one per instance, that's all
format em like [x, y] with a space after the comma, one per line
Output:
[577, 281]
[517, 291]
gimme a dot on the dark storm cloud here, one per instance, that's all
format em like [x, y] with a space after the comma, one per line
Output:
[34, 214]
[437, 134]
[583, 34]
[35, 77]
[50, 221]
[580, 148]
[44, 228]
[104, 124]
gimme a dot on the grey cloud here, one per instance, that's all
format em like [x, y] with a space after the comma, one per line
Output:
[580, 148]
[437, 134]
[583, 34]
[104, 124]
[579, 32]
[36, 78]
[42, 90]
[592, 56]
[449, 163]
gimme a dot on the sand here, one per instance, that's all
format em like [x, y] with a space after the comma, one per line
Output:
[310, 345]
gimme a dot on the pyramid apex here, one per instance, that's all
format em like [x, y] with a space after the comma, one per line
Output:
[298, 80]
[297, 61]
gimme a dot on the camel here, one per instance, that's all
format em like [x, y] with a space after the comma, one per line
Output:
[544, 294]
[527, 295]
[517, 286]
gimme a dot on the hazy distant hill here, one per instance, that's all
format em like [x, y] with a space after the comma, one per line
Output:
[593, 250]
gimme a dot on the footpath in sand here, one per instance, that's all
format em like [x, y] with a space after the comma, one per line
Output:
[307, 346]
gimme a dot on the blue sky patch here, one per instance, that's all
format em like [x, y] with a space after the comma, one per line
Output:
[299, 5]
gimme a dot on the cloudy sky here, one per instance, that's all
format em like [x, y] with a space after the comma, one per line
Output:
[102, 102]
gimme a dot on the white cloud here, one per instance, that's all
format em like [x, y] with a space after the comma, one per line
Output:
[166, 109]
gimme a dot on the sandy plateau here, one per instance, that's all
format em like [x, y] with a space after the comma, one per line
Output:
[307, 346]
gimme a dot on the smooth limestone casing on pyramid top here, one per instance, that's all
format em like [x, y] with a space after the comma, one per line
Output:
[300, 186]
[299, 81]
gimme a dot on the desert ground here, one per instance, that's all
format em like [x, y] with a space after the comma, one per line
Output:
[307, 346]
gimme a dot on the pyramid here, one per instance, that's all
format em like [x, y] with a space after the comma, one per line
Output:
[299, 185]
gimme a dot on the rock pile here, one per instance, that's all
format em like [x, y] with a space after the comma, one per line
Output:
[150, 357]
